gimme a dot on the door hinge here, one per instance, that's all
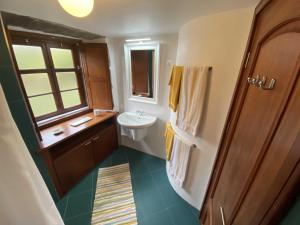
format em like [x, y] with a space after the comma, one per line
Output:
[247, 59]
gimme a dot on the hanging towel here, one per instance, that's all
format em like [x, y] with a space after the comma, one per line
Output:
[175, 83]
[125, 131]
[179, 160]
[24, 196]
[192, 96]
[169, 135]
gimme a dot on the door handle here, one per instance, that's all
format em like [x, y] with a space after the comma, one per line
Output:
[222, 215]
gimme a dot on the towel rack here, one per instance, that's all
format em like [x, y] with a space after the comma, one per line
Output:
[179, 135]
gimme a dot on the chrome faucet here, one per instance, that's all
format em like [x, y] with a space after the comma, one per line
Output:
[140, 113]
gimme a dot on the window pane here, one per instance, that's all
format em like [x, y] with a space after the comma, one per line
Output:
[62, 58]
[67, 80]
[42, 105]
[36, 83]
[70, 98]
[29, 57]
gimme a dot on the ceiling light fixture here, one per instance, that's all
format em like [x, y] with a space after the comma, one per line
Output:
[78, 8]
[138, 40]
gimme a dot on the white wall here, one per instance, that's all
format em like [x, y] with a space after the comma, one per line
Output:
[154, 142]
[217, 40]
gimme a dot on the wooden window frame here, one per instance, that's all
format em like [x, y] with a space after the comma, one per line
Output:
[46, 42]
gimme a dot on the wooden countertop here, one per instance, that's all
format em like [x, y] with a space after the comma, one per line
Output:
[49, 139]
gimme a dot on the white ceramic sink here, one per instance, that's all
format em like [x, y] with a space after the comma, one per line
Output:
[136, 120]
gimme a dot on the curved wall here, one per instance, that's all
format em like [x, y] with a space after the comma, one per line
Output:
[217, 40]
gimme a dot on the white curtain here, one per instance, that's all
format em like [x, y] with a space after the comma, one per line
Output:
[24, 197]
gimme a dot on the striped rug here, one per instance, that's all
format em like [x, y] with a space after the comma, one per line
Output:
[114, 202]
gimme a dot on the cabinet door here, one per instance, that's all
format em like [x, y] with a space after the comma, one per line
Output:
[97, 75]
[104, 143]
[74, 164]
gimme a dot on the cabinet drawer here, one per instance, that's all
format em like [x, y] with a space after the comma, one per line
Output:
[74, 164]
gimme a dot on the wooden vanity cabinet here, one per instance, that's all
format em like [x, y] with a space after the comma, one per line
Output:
[74, 164]
[70, 158]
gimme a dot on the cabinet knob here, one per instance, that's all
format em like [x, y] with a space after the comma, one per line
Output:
[95, 138]
[88, 143]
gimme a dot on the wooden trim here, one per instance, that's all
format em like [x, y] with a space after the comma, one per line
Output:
[47, 93]
[63, 119]
[46, 42]
[49, 140]
[47, 37]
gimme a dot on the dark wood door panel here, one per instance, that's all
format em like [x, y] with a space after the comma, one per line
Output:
[97, 75]
[104, 143]
[277, 166]
[74, 164]
[277, 58]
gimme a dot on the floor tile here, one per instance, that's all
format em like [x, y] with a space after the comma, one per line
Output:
[79, 204]
[119, 157]
[195, 211]
[160, 177]
[156, 201]
[170, 196]
[105, 163]
[143, 184]
[181, 214]
[161, 218]
[62, 206]
[150, 202]
[155, 164]
[84, 219]
[138, 168]
[86, 184]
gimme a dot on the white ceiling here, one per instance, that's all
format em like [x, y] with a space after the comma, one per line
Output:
[126, 17]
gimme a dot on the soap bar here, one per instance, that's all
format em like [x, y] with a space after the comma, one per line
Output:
[57, 131]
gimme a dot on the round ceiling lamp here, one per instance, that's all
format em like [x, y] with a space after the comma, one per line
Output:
[78, 8]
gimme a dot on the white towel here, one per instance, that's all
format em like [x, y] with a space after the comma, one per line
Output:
[179, 161]
[125, 131]
[191, 100]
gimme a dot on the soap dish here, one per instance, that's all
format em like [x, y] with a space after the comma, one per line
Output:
[57, 131]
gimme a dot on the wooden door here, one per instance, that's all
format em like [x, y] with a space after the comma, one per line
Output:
[246, 157]
[74, 164]
[97, 75]
[104, 143]
[281, 159]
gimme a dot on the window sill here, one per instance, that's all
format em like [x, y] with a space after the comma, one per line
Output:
[62, 117]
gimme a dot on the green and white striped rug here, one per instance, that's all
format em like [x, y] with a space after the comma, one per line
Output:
[114, 202]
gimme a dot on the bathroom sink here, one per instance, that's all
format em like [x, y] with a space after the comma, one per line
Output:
[136, 120]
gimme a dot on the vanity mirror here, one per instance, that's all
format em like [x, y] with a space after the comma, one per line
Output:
[142, 67]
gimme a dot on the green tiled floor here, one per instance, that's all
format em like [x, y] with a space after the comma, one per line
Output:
[156, 202]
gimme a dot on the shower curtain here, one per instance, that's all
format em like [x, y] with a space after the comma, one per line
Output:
[24, 197]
